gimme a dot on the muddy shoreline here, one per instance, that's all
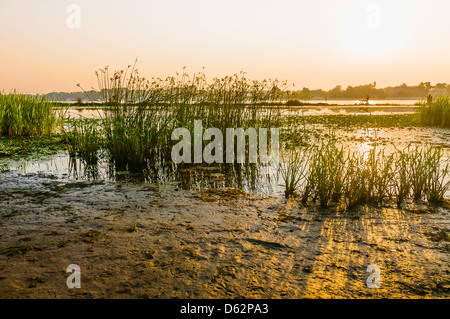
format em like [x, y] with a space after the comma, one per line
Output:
[154, 241]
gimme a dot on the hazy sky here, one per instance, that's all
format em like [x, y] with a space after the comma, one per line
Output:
[317, 44]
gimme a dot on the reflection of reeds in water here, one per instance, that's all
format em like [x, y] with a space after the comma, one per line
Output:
[254, 178]
[351, 178]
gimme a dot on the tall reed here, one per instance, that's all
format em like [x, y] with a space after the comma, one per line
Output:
[84, 139]
[143, 113]
[328, 165]
[438, 182]
[351, 177]
[436, 113]
[25, 115]
[293, 168]
[402, 178]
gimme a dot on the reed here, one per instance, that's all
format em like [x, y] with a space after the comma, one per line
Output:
[402, 178]
[84, 139]
[356, 181]
[419, 166]
[328, 165]
[25, 115]
[438, 182]
[332, 175]
[436, 113]
[143, 113]
[293, 168]
[380, 174]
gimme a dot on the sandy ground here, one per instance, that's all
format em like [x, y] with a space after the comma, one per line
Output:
[149, 241]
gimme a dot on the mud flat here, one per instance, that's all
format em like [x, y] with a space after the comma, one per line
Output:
[155, 241]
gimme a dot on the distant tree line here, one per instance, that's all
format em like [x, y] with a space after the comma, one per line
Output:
[362, 91]
[74, 96]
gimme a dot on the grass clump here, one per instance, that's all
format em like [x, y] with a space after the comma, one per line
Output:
[143, 113]
[437, 183]
[328, 164]
[436, 113]
[84, 139]
[349, 177]
[333, 175]
[402, 180]
[424, 173]
[25, 115]
[293, 168]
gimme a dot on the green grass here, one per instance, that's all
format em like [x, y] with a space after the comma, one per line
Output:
[436, 113]
[293, 168]
[328, 165]
[437, 183]
[84, 139]
[19, 146]
[25, 115]
[349, 177]
[143, 114]
[402, 180]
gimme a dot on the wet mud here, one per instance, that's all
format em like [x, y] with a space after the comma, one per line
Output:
[156, 241]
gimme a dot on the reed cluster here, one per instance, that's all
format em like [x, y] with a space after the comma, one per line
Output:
[84, 139]
[142, 113]
[329, 174]
[436, 113]
[25, 115]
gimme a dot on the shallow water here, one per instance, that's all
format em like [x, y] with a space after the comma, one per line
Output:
[343, 109]
[371, 102]
[348, 110]
[255, 179]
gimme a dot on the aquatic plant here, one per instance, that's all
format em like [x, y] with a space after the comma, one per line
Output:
[328, 165]
[420, 161]
[143, 113]
[402, 178]
[380, 174]
[84, 139]
[351, 178]
[438, 182]
[436, 113]
[293, 168]
[25, 115]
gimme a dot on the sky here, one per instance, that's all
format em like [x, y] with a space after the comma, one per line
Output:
[51, 45]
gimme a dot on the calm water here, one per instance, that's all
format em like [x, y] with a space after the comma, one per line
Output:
[371, 102]
[252, 178]
[255, 179]
[343, 109]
